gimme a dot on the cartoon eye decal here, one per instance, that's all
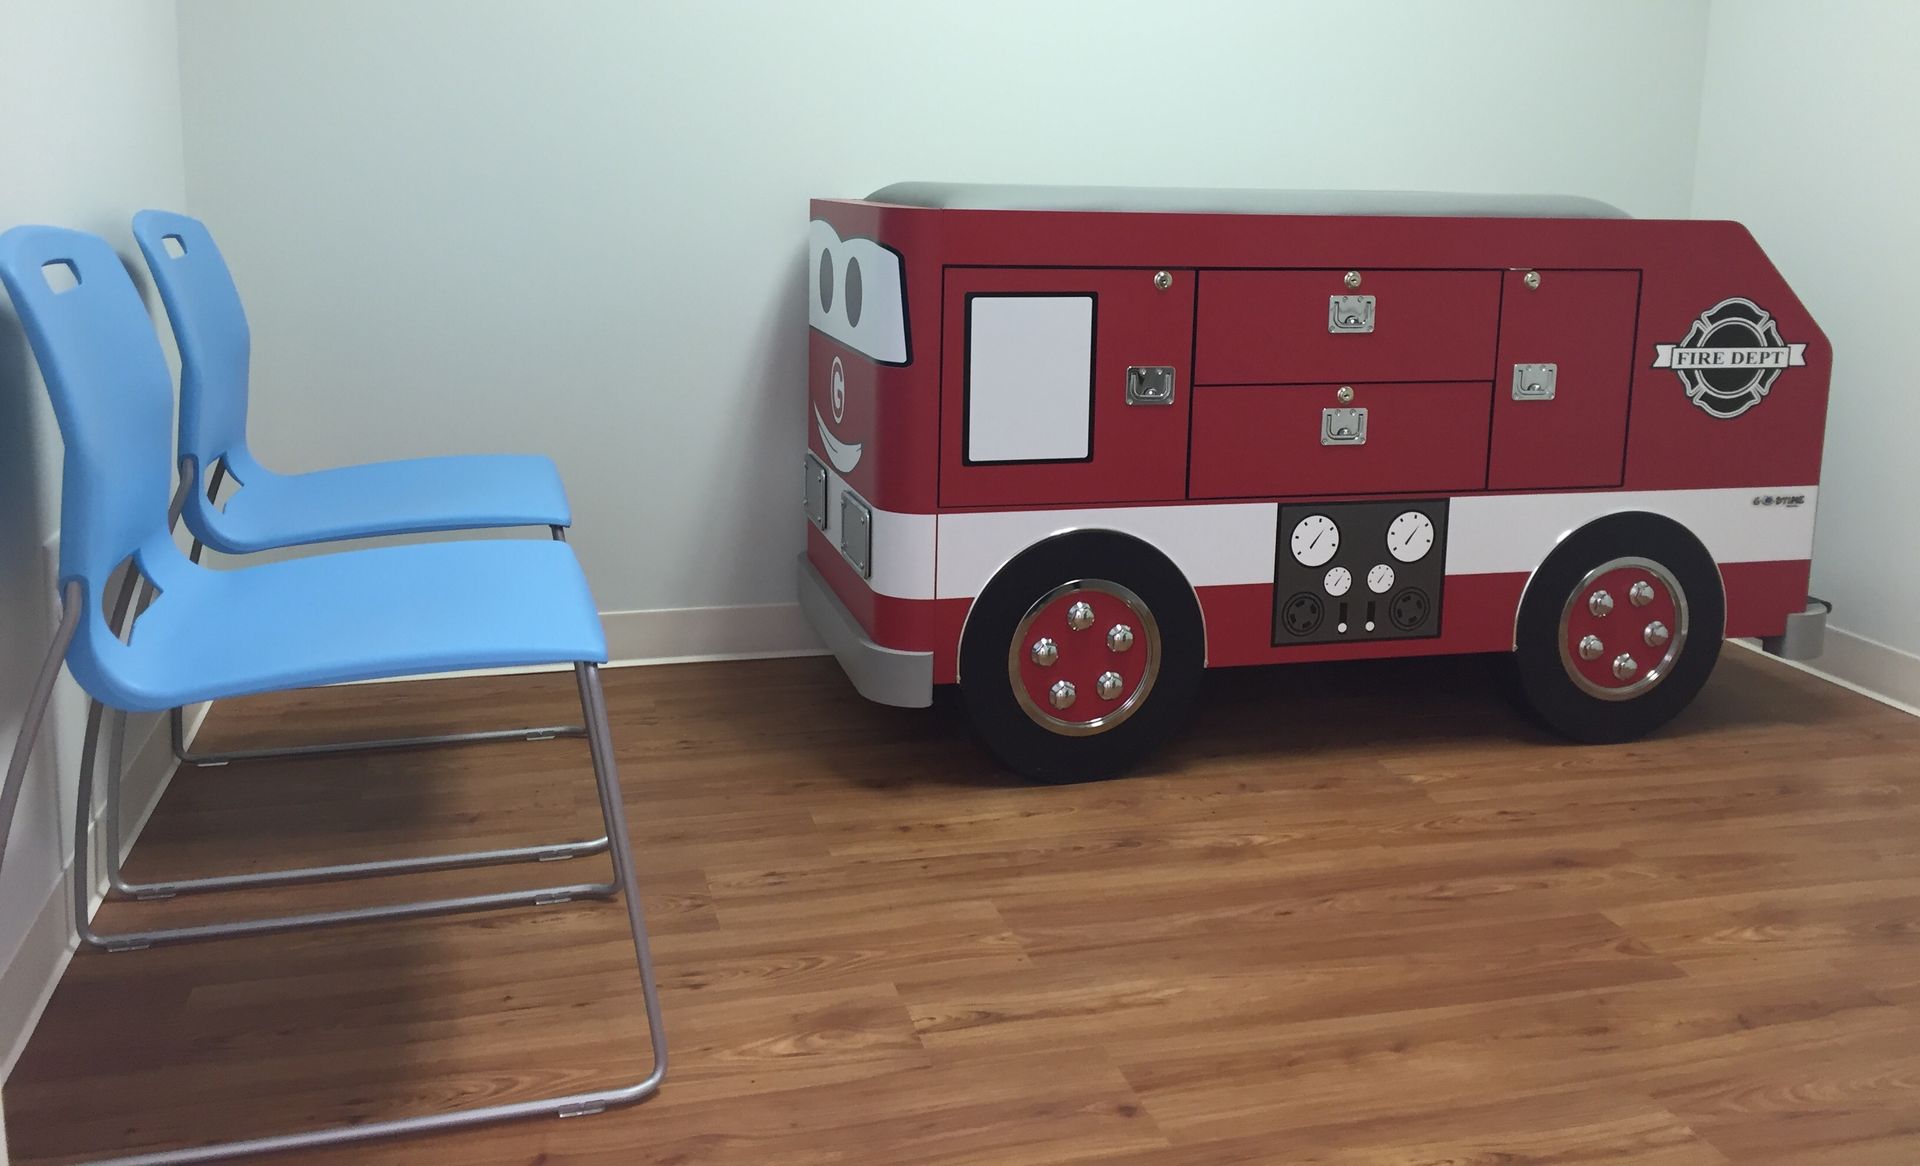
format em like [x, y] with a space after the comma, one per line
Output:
[855, 293]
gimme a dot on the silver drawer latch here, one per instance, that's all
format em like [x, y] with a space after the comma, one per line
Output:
[1534, 382]
[1150, 384]
[1343, 427]
[1349, 313]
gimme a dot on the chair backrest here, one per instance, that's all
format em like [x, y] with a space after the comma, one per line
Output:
[113, 397]
[210, 328]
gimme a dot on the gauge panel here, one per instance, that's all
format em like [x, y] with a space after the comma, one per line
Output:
[1314, 541]
[1356, 571]
[1410, 536]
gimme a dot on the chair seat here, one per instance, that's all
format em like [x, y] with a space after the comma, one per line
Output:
[358, 615]
[468, 492]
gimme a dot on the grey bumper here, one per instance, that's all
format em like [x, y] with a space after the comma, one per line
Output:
[884, 675]
[1805, 635]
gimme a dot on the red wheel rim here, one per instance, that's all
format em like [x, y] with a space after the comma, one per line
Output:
[1622, 628]
[1084, 657]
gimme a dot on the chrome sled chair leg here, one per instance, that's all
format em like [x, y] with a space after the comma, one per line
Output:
[599, 740]
[72, 597]
[169, 888]
[134, 940]
[177, 730]
[126, 602]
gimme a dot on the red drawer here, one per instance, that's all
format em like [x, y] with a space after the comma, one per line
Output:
[1271, 327]
[1581, 322]
[1256, 441]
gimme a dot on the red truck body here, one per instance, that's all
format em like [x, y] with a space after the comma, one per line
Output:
[1682, 378]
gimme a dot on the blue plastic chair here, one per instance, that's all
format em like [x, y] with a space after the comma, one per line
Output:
[210, 635]
[270, 510]
[469, 492]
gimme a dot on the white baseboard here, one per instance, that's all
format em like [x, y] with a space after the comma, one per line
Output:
[683, 635]
[675, 635]
[27, 983]
[1868, 667]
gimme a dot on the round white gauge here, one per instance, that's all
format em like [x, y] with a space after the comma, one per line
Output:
[1410, 537]
[1380, 579]
[1315, 539]
[1339, 580]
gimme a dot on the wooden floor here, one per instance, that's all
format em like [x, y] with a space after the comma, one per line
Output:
[1361, 914]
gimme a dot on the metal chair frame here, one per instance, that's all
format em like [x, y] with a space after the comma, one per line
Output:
[613, 812]
[127, 606]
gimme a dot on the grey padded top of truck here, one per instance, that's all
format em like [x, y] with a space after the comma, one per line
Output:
[1220, 201]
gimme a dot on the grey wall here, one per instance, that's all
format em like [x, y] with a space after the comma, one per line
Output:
[1810, 134]
[89, 133]
[577, 228]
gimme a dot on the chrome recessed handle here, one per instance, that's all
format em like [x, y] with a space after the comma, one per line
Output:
[1343, 427]
[1150, 384]
[1534, 382]
[1349, 313]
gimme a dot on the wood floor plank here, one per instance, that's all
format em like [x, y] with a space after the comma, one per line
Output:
[1305, 933]
[1575, 1127]
[1127, 990]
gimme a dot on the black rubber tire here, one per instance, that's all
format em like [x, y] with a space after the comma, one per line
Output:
[1542, 686]
[1006, 730]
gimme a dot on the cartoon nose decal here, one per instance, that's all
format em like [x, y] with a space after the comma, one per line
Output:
[843, 454]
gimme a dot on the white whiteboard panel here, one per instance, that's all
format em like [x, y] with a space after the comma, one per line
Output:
[1029, 377]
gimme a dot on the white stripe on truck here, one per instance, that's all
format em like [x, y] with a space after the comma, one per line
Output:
[953, 556]
[1492, 534]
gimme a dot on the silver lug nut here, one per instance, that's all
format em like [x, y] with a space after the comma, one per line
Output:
[1109, 685]
[1119, 638]
[1640, 593]
[1080, 616]
[1656, 634]
[1624, 667]
[1591, 647]
[1599, 603]
[1045, 651]
[1061, 694]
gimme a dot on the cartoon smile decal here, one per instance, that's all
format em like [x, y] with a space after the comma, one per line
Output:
[843, 454]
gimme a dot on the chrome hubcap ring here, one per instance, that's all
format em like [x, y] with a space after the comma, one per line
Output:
[1649, 631]
[1109, 674]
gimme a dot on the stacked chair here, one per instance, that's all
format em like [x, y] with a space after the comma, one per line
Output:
[145, 628]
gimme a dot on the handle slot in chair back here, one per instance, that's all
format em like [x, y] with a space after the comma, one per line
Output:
[210, 327]
[113, 399]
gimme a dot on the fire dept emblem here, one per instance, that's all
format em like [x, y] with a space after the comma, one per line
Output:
[1730, 358]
